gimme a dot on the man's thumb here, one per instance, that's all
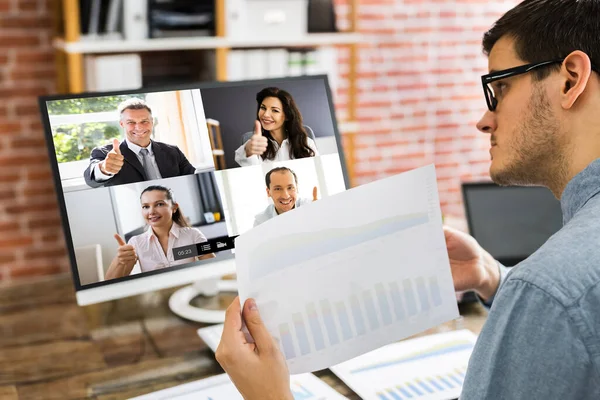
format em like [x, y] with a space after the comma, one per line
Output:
[315, 194]
[256, 327]
[116, 144]
[120, 240]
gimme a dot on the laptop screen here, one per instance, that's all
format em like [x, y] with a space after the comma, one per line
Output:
[511, 223]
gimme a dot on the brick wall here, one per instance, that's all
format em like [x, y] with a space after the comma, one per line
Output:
[31, 241]
[419, 90]
[419, 98]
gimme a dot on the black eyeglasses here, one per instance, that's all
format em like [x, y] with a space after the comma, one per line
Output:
[486, 80]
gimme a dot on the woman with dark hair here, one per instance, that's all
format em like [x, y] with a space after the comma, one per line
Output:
[153, 249]
[278, 131]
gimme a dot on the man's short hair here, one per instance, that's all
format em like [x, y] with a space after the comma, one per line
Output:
[133, 104]
[545, 30]
[279, 169]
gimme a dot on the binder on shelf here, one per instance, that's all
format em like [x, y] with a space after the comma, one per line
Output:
[235, 65]
[255, 64]
[113, 72]
[135, 19]
[277, 63]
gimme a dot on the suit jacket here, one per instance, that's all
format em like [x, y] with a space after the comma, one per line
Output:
[169, 159]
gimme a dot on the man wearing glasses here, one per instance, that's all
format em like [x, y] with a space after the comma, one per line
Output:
[542, 336]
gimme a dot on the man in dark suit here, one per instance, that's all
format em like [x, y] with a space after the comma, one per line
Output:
[138, 158]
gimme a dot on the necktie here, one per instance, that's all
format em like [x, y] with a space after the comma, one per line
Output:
[147, 164]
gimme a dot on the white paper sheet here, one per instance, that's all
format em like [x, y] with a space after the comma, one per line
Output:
[426, 368]
[220, 387]
[352, 272]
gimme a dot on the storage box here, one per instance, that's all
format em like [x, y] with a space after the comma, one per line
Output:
[266, 19]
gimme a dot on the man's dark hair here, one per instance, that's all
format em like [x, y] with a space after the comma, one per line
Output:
[133, 104]
[279, 169]
[545, 30]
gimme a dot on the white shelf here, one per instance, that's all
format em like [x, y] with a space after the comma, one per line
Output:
[193, 43]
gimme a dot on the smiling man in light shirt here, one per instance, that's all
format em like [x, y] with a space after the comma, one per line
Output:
[138, 158]
[282, 188]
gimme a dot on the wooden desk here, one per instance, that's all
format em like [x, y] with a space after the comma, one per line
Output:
[52, 349]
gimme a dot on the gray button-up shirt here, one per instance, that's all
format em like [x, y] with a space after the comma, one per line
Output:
[542, 336]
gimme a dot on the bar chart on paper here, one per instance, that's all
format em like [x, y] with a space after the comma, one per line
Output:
[371, 309]
[426, 368]
[220, 387]
[351, 272]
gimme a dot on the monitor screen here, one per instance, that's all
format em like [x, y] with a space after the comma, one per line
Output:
[511, 223]
[153, 183]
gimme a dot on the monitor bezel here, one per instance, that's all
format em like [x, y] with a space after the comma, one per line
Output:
[223, 264]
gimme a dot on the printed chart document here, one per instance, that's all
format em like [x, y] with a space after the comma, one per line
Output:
[349, 273]
[426, 368]
[220, 387]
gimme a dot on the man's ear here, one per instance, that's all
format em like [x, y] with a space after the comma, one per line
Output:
[575, 75]
[268, 193]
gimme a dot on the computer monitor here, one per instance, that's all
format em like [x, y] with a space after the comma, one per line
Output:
[510, 222]
[181, 204]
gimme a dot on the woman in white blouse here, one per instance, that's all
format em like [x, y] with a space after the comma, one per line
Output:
[153, 249]
[278, 131]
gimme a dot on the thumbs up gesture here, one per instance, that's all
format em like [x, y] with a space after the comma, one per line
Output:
[113, 162]
[125, 253]
[315, 194]
[257, 143]
[123, 262]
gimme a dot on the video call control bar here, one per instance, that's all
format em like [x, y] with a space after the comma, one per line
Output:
[199, 249]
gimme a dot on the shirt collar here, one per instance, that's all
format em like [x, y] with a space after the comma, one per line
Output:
[175, 231]
[580, 189]
[136, 149]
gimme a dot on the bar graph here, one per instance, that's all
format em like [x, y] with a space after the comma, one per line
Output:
[340, 310]
[384, 307]
[411, 302]
[370, 306]
[357, 314]
[301, 333]
[427, 368]
[419, 388]
[422, 291]
[315, 326]
[287, 341]
[330, 322]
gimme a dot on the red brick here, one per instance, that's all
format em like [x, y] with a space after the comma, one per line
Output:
[29, 271]
[30, 75]
[32, 253]
[26, 22]
[28, 143]
[39, 174]
[23, 208]
[28, 5]
[10, 128]
[15, 92]
[22, 40]
[47, 221]
[34, 57]
[18, 159]
[15, 241]
[22, 110]
[6, 258]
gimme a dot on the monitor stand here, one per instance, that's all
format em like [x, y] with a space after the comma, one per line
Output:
[179, 302]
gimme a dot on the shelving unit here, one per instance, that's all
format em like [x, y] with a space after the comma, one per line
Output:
[70, 50]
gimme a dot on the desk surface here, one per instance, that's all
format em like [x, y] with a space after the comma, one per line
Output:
[50, 348]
